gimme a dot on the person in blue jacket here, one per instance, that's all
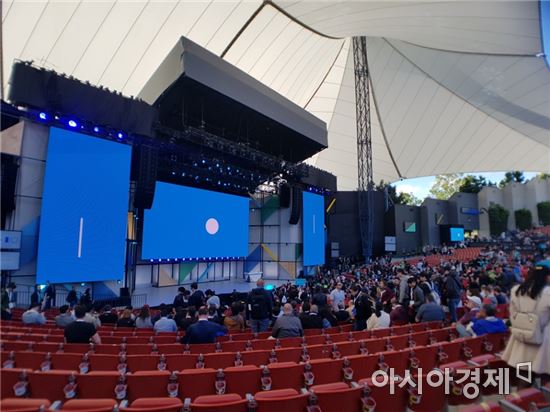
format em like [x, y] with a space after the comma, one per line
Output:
[485, 323]
[203, 331]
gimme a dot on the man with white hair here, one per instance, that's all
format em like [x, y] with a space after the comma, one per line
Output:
[288, 325]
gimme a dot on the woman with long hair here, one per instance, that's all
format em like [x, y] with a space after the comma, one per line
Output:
[530, 297]
[143, 321]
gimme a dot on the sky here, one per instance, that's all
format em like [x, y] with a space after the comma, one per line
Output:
[420, 186]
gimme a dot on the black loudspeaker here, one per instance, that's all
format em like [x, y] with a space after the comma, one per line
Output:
[146, 178]
[296, 207]
[124, 292]
[284, 195]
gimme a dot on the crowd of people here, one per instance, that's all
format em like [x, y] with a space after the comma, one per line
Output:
[378, 295]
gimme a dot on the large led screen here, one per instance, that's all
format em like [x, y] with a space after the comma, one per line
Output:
[457, 234]
[186, 222]
[84, 209]
[313, 219]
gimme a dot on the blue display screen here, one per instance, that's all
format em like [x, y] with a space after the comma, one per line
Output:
[84, 209]
[313, 220]
[457, 234]
[186, 222]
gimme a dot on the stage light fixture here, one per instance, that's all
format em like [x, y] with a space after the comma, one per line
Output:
[120, 135]
[43, 116]
[72, 123]
[96, 129]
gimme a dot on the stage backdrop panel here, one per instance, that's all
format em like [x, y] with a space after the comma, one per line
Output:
[84, 209]
[313, 221]
[186, 222]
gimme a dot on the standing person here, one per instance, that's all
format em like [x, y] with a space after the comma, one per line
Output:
[212, 299]
[403, 288]
[5, 310]
[179, 300]
[49, 296]
[287, 325]
[80, 331]
[35, 296]
[12, 295]
[197, 296]
[338, 297]
[362, 307]
[453, 289]
[203, 331]
[72, 299]
[86, 298]
[259, 304]
[530, 298]
[319, 298]
[416, 297]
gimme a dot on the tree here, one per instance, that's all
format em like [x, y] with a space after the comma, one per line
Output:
[498, 219]
[524, 220]
[446, 185]
[515, 176]
[543, 208]
[473, 184]
[398, 198]
[543, 176]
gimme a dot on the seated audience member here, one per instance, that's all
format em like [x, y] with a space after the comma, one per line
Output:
[64, 318]
[190, 318]
[234, 322]
[502, 299]
[379, 318]
[80, 331]
[179, 315]
[131, 309]
[33, 316]
[485, 323]
[310, 318]
[92, 317]
[329, 320]
[213, 314]
[164, 324]
[203, 331]
[181, 301]
[108, 316]
[125, 320]
[430, 311]
[287, 325]
[474, 304]
[399, 314]
[143, 321]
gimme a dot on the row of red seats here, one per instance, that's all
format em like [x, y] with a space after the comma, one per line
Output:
[462, 255]
[244, 379]
[371, 345]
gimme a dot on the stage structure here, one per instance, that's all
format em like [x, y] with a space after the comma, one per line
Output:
[364, 146]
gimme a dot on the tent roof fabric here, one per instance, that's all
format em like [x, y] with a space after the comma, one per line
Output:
[456, 86]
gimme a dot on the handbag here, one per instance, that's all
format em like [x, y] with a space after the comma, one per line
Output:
[526, 326]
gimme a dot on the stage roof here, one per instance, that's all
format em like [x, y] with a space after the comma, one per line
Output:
[457, 86]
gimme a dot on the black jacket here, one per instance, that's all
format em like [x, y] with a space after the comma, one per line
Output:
[363, 308]
[311, 321]
[453, 287]
[196, 299]
[259, 304]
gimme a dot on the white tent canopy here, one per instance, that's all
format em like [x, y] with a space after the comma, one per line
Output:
[457, 86]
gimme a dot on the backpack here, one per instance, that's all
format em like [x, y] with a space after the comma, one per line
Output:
[526, 326]
[257, 305]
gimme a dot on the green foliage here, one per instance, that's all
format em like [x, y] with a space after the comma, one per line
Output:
[446, 185]
[473, 184]
[498, 219]
[543, 209]
[524, 220]
[515, 176]
[398, 198]
[543, 176]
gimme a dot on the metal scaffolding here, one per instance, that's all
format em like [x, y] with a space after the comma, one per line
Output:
[364, 146]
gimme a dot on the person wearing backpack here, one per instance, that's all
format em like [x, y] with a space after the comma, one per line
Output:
[258, 307]
[530, 317]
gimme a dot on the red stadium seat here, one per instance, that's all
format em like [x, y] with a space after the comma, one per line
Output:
[88, 405]
[103, 362]
[180, 362]
[219, 360]
[154, 405]
[29, 360]
[524, 397]
[286, 375]
[483, 407]
[288, 354]
[97, 385]
[147, 384]
[431, 399]
[280, 400]
[243, 380]
[363, 366]
[255, 357]
[197, 382]
[49, 385]
[137, 363]
[338, 397]
[326, 370]
[23, 405]
[66, 361]
[385, 400]
[230, 402]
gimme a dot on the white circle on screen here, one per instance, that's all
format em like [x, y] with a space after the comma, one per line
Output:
[212, 226]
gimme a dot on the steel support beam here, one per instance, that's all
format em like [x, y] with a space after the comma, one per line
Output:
[364, 146]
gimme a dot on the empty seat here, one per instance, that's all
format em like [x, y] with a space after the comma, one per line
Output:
[482, 407]
[66, 361]
[363, 366]
[100, 362]
[50, 384]
[197, 382]
[137, 363]
[180, 362]
[97, 384]
[385, 400]
[147, 384]
[154, 405]
[338, 397]
[286, 375]
[280, 400]
[29, 360]
[230, 402]
[219, 360]
[243, 379]
[326, 370]
[23, 405]
[288, 354]
[255, 357]
[432, 398]
[89, 405]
